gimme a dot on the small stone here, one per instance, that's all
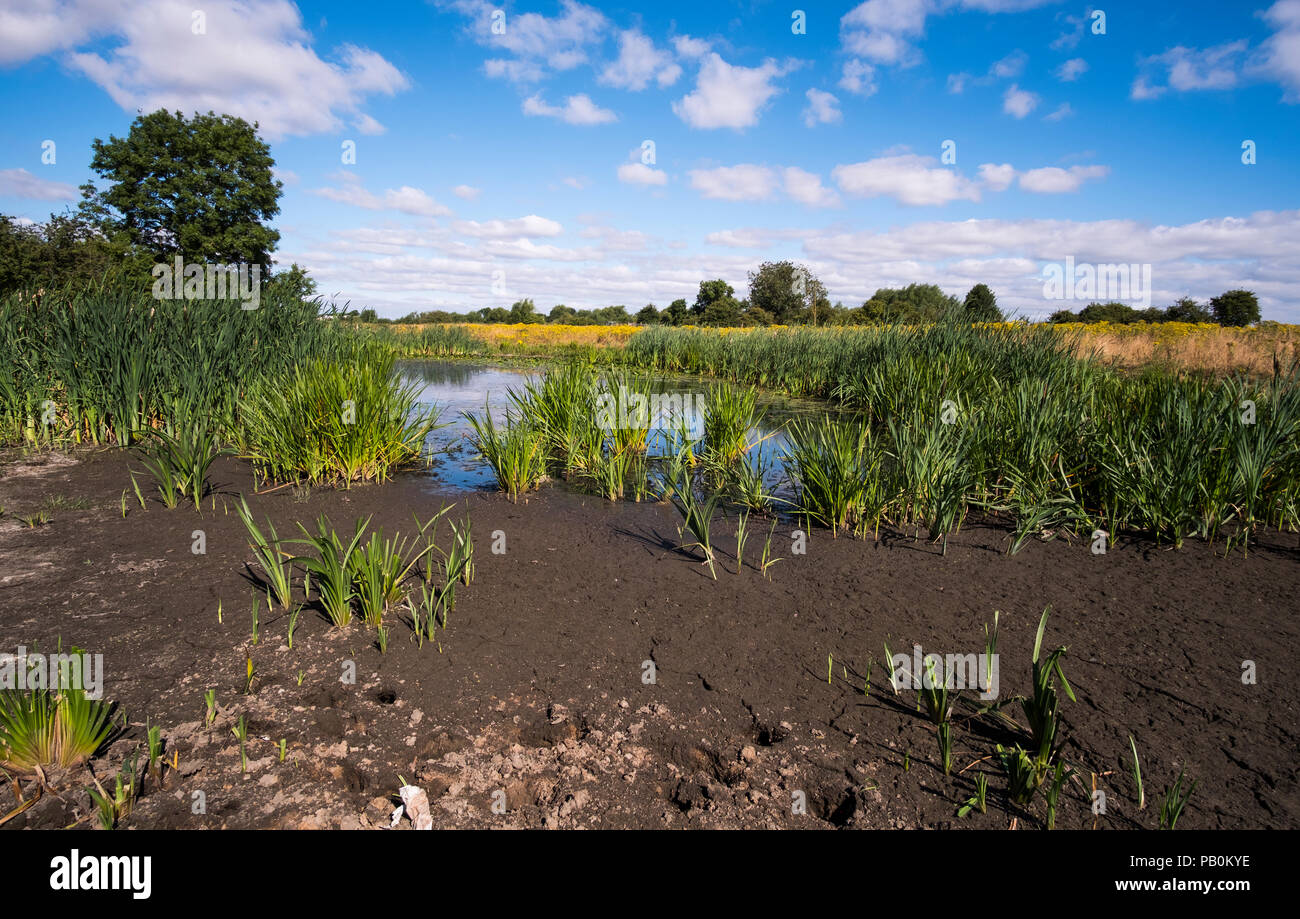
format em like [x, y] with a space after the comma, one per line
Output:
[574, 802]
[379, 811]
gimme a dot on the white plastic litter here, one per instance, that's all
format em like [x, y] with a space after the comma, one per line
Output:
[417, 807]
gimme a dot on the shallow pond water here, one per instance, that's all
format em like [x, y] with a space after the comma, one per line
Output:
[456, 387]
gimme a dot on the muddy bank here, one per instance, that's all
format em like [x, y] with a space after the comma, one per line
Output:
[536, 695]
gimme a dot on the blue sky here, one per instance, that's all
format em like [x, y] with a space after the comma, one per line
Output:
[497, 165]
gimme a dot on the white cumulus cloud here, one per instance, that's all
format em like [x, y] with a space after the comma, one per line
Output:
[997, 176]
[1072, 69]
[641, 174]
[146, 55]
[729, 96]
[19, 183]
[639, 61]
[1053, 180]
[807, 188]
[911, 179]
[858, 77]
[406, 199]
[822, 108]
[517, 228]
[578, 109]
[1019, 102]
[744, 182]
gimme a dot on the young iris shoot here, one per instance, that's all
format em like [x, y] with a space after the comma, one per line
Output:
[333, 567]
[276, 564]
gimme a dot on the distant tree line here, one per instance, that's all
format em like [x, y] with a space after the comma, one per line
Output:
[780, 293]
[521, 311]
[79, 247]
[1232, 308]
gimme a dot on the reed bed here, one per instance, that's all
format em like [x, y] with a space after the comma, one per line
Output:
[430, 342]
[551, 340]
[815, 363]
[939, 422]
[103, 365]
[304, 396]
[334, 422]
[1028, 423]
[1181, 347]
[574, 425]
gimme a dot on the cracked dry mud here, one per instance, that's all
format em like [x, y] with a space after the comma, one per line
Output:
[531, 709]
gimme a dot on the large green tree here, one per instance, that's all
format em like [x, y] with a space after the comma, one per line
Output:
[716, 304]
[1235, 307]
[819, 304]
[524, 311]
[787, 293]
[1188, 310]
[913, 303]
[1109, 312]
[199, 187]
[981, 305]
[778, 289]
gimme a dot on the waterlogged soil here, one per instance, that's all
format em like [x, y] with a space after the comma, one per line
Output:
[594, 676]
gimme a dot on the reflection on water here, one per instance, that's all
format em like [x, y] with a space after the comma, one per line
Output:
[456, 387]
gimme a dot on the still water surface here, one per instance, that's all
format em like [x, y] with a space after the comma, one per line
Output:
[456, 387]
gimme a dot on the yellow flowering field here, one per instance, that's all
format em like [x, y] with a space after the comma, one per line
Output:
[534, 338]
[543, 336]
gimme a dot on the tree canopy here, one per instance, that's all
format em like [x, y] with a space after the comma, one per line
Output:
[716, 304]
[66, 250]
[1235, 307]
[981, 305]
[777, 289]
[913, 303]
[200, 187]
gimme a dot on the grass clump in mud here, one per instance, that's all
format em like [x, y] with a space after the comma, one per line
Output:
[179, 461]
[335, 422]
[515, 452]
[51, 727]
[365, 574]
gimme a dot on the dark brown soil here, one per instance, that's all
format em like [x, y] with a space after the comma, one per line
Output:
[534, 695]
